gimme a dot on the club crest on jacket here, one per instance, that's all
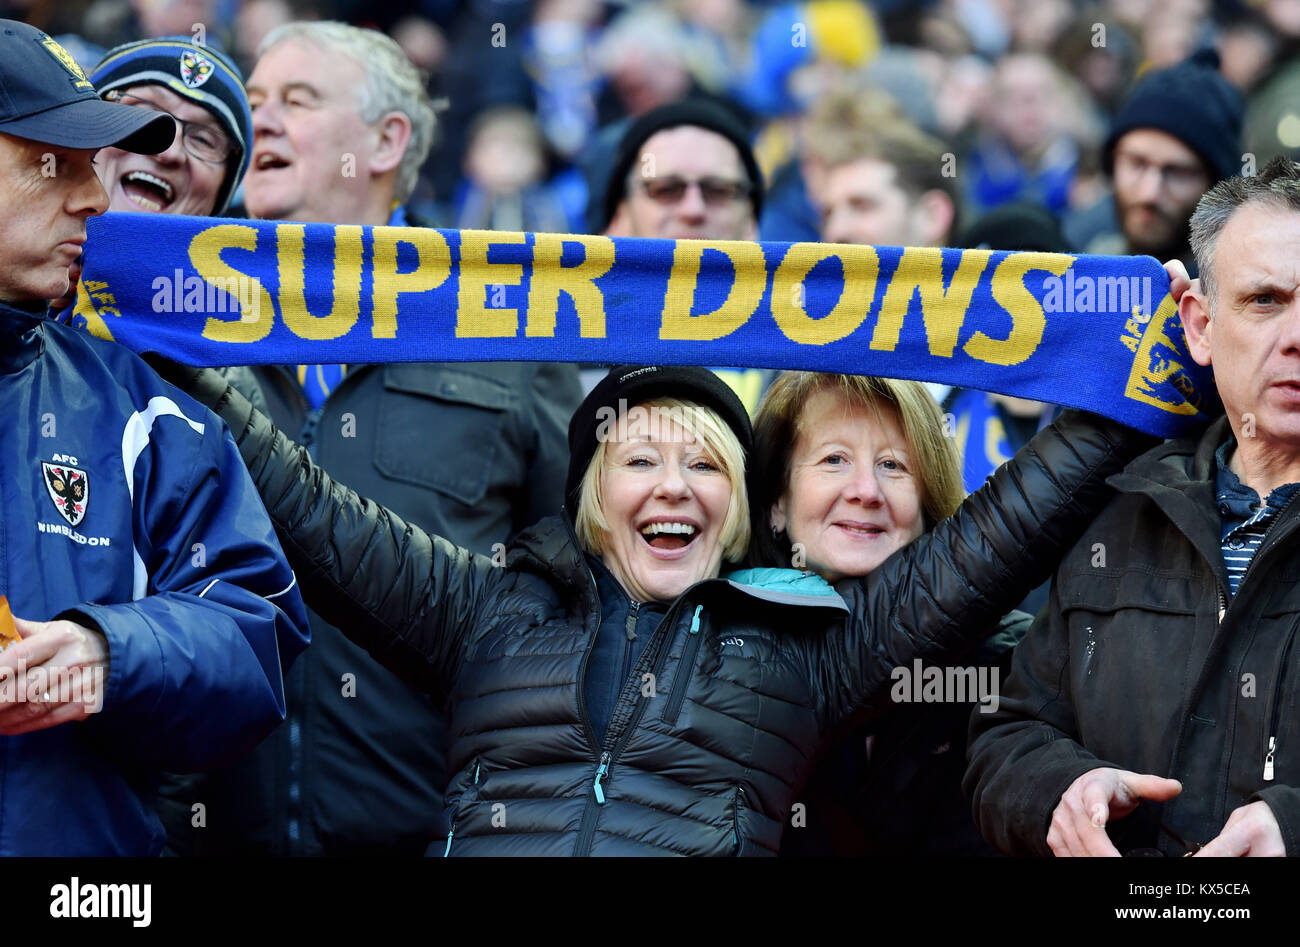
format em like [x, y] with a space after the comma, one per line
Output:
[69, 488]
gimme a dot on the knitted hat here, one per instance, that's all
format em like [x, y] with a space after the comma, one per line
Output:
[202, 74]
[696, 112]
[1020, 225]
[1192, 102]
[630, 385]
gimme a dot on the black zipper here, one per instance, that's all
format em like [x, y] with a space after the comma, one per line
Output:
[452, 832]
[1270, 734]
[685, 669]
[607, 758]
[735, 819]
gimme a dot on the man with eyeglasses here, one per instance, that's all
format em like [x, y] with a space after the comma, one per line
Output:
[203, 90]
[1177, 134]
[686, 171]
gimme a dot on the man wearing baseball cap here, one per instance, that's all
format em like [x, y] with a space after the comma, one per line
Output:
[152, 603]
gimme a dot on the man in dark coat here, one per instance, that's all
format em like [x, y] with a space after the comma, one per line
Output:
[1153, 703]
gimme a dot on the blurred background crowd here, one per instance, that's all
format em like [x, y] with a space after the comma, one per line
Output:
[1038, 125]
[529, 94]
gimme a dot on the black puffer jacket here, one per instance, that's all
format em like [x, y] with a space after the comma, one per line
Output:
[706, 755]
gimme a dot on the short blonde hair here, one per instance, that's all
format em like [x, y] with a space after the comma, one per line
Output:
[717, 439]
[780, 422]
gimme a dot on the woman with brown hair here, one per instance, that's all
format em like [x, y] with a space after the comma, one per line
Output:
[850, 470]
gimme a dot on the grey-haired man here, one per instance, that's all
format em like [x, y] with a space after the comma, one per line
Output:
[1152, 705]
[474, 452]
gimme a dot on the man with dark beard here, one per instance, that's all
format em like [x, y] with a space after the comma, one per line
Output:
[1177, 134]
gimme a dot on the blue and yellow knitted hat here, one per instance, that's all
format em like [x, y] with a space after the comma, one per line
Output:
[202, 74]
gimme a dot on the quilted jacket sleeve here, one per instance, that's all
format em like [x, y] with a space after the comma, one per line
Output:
[934, 599]
[407, 597]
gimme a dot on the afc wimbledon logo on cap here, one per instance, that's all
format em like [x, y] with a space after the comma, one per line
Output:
[69, 488]
[195, 70]
[65, 59]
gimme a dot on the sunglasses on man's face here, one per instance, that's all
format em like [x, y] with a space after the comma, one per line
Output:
[716, 192]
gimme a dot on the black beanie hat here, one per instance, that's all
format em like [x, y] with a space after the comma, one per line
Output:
[629, 385]
[1020, 225]
[697, 112]
[1192, 102]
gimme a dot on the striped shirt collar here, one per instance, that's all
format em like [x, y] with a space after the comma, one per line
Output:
[1244, 519]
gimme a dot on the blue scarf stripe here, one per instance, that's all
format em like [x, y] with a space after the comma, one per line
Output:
[1078, 331]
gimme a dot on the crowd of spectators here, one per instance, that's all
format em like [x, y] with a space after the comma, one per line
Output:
[1020, 92]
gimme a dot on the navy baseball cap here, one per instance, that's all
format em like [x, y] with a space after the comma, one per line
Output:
[46, 97]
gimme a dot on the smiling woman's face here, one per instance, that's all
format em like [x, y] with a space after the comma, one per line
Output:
[173, 182]
[665, 499]
[853, 497]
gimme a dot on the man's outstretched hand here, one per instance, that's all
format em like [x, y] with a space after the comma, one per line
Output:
[1079, 822]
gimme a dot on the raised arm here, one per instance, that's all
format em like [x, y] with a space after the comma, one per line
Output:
[407, 597]
[937, 597]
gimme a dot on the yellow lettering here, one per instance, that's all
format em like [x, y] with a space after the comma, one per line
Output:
[347, 283]
[473, 319]
[433, 266]
[578, 282]
[84, 308]
[253, 324]
[861, 266]
[944, 310]
[1131, 342]
[742, 299]
[1027, 318]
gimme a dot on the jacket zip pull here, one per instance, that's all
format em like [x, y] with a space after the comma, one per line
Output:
[631, 621]
[1268, 760]
[601, 772]
[447, 851]
[476, 769]
[695, 620]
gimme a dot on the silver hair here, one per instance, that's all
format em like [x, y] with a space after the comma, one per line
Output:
[393, 84]
[1277, 185]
